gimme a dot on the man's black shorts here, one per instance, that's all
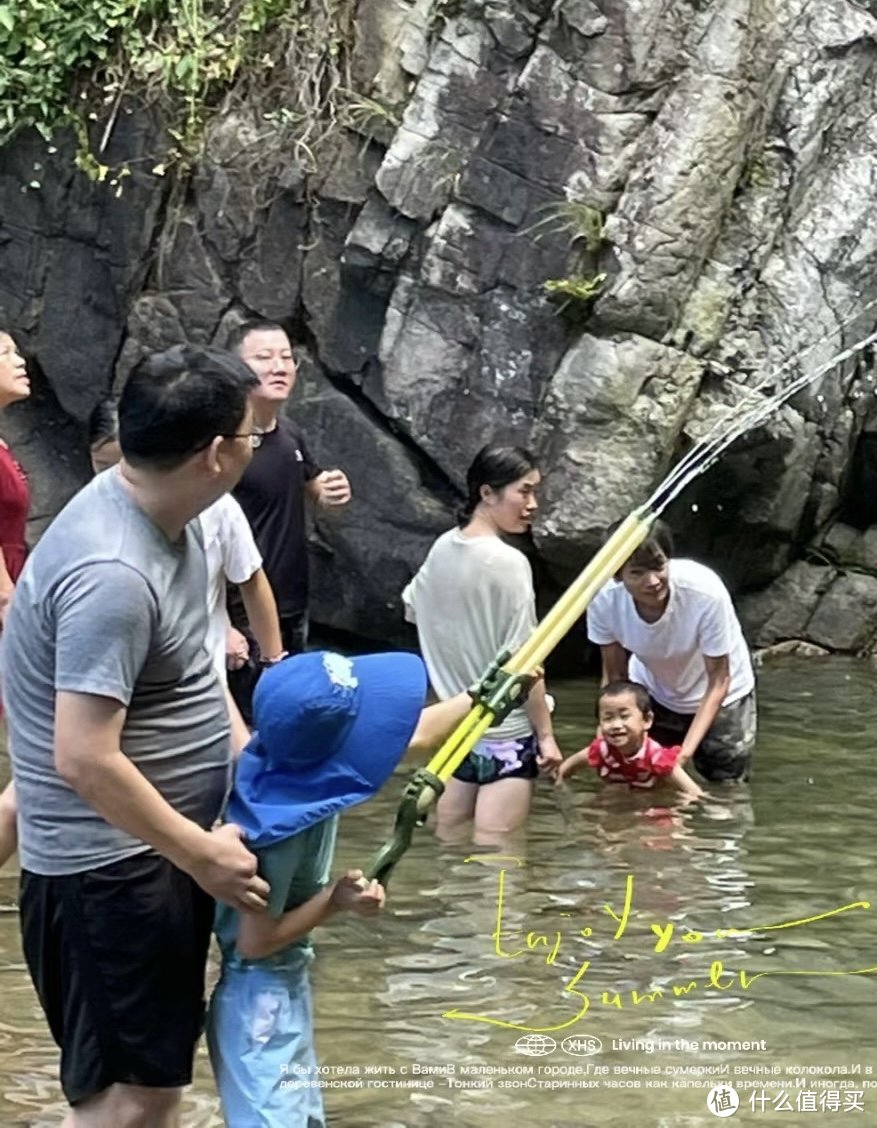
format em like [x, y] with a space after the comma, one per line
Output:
[117, 956]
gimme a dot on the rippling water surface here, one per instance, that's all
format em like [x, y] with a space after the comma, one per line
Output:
[798, 842]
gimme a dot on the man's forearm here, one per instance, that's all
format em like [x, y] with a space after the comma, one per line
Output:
[683, 782]
[614, 664]
[707, 711]
[262, 615]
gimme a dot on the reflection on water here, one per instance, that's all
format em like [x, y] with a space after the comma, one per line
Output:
[796, 844]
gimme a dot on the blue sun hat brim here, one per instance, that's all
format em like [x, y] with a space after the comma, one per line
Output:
[329, 732]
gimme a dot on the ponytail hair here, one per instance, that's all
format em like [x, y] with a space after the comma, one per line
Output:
[495, 466]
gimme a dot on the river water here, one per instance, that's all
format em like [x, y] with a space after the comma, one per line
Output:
[797, 843]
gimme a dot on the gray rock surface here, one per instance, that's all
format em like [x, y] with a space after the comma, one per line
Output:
[705, 165]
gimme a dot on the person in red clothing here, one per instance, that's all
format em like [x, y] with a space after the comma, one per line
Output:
[14, 494]
[624, 752]
[14, 504]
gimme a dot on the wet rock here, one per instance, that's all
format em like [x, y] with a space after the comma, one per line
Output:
[457, 372]
[820, 605]
[614, 409]
[849, 547]
[391, 520]
[784, 609]
[189, 277]
[270, 278]
[846, 618]
[153, 324]
[452, 104]
[794, 647]
[745, 510]
[74, 253]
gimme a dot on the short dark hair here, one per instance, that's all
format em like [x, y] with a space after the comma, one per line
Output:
[616, 688]
[239, 334]
[497, 467]
[654, 550]
[103, 423]
[176, 402]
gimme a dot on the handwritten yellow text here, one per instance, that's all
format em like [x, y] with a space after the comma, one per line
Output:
[550, 943]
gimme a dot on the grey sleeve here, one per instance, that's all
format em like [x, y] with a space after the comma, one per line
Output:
[105, 615]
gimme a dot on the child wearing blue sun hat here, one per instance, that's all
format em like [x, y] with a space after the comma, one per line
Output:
[329, 732]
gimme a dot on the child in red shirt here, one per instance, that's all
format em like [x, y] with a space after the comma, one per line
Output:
[624, 752]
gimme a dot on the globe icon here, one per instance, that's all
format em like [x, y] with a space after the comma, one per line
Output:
[535, 1045]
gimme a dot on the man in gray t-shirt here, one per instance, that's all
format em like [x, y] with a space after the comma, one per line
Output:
[119, 740]
[111, 607]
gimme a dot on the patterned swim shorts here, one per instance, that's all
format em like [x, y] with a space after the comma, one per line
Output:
[491, 760]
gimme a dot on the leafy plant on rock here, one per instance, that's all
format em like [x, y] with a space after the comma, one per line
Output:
[71, 63]
[579, 221]
[579, 290]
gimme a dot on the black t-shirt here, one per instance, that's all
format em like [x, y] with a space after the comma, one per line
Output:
[272, 495]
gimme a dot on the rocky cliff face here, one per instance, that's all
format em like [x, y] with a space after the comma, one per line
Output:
[695, 177]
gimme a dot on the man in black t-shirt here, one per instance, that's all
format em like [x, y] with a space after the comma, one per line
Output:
[272, 492]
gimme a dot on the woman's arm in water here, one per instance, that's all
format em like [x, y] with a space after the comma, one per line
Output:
[718, 672]
[549, 757]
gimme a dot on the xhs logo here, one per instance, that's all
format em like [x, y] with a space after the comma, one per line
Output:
[584, 1046]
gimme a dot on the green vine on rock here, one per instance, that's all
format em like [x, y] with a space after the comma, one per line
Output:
[71, 63]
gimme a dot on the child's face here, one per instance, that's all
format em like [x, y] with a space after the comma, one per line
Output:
[623, 725]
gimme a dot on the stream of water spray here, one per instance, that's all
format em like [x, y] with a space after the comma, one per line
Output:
[753, 409]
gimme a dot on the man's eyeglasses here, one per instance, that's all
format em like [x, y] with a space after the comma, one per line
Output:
[255, 437]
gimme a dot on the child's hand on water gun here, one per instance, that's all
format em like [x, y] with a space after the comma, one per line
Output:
[353, 894]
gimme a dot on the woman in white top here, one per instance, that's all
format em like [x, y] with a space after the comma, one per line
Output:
[231, 554]
[472, 598]
[670, 625]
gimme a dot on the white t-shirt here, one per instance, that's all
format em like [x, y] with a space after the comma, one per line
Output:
[667, 656]
[472, 598]
[231, 555]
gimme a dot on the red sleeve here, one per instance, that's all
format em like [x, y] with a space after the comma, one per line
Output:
[595, 756]
[663, 760]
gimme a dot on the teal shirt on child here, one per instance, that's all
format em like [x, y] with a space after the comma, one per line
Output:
[296, 870]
